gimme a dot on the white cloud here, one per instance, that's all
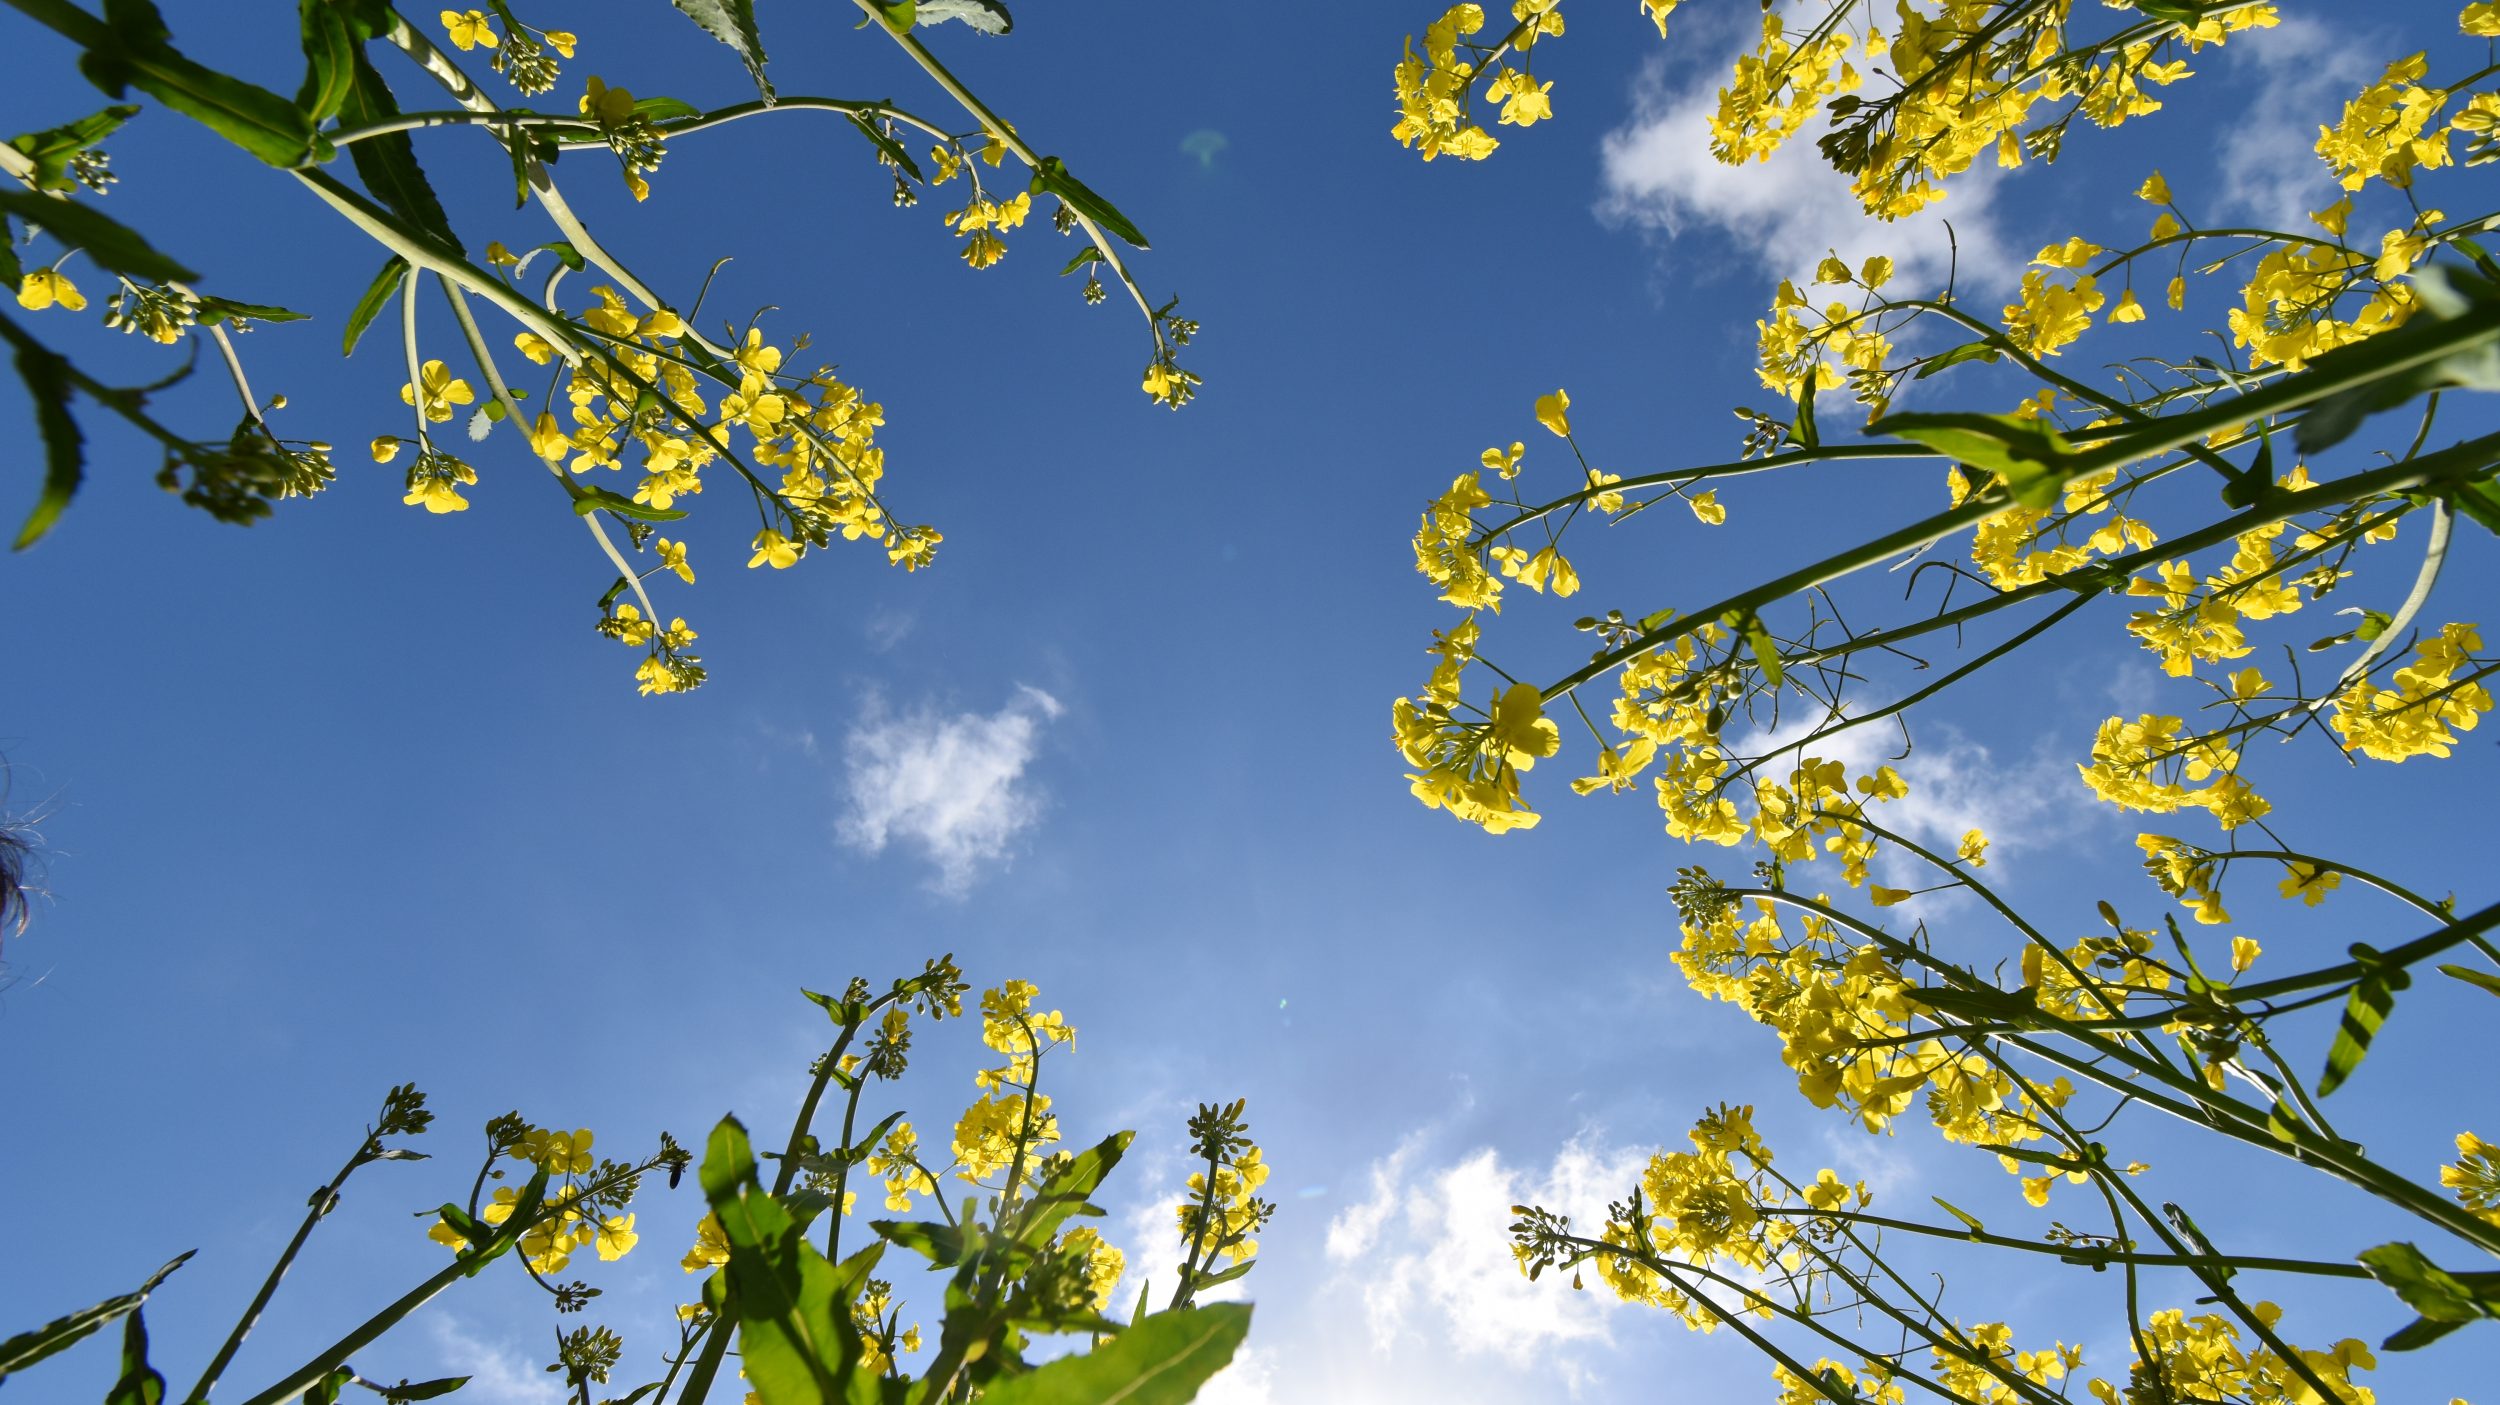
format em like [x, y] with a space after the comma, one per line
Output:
[1787, 212]
[954, 787]
[498, 1375]
[2270, 168]
[1427, 1253]
[1249, 1380]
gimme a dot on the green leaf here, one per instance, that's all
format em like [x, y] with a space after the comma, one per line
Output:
[1209, 1280]
[1758, 641]
[377, 295]
[51, 149]
[2479, 500]
[2446, 1300]
[1087, 255]
[214, 310]
[1052, 176]
[130, 51]
[1967, 351]
[2034, 459]
[329, 60]
[2364, 1012]
[1960, 1214]
[665, 109]
[592, 500]
[387, 164]
[140, 1384]
[2448, 296]
[987, 16]
[1067, 1192]
[940, 1244]
[733, 23]
[108, 241]
[846, 1013]
[898, 15]
[793, 1308]
[65, 461]
[27, 1348]
[1801, 428]
[427, 1390]
[1160, 1361]
[2484, 980]
[894, 150]
[326, 1390]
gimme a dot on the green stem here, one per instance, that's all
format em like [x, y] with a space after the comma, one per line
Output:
[322, 1202]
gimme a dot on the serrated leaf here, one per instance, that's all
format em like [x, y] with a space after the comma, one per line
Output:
[1160, 1361]
[27, 1348]
[329, 60]
[2033, 458]
[987, 16]
[108, 241]
[665, 109]
[129, 50]
[64, 453]
[377, 295]
[387, 163]
[733, 23]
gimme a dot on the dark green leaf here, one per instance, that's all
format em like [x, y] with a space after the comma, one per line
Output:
[1052, 176]
[987, 16]
[108, 241]
[2445, 1300]
[566, 254]
[377, 295]
[387, 164]
[1087, 255]
[2364, 1011]
[64, 466]
[427, 1390]
[1801, 427]
[1967, 351]
[27, 1348]
[139, 1384]
[326, 1390]
[665, 109]
[329, 60]
[214, 310]
[733, 23]
[2482, 979]
[1160, 1361]
[2033, 458]
[846, 1013]
[940, 1244]
[51, 149]
[1960, 1214]
[130, 51]
[894, 150]
[593, 500]
[2479, 500]
[2449, 296]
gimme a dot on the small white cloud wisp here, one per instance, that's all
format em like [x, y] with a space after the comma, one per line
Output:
[954, 787]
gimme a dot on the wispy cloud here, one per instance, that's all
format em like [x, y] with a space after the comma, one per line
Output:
[498, 1374]
[2304, 69]
[953, 787]
[1427, 1253]
[1786, 213]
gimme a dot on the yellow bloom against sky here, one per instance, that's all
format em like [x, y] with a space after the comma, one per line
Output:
[348, 799]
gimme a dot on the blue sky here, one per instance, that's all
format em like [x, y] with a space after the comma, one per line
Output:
[355, 797]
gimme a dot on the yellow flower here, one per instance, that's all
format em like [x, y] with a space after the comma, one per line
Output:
[1974, 849]
[442, 391]
[1706, 506]
[385, 447]
[616, 1237]
[2176, 294]
[2128, 309]
[774, 550]
[605, 105]
[1552, 411]
[1887, 897]
[2481, 19]
[2244, 953]
[499, 256]
[562, 41]
[1519, 731]
[469, 29]
[46, 286]
[1877, 272]
[2155, 190]
[711, 1246]
[673, 557]
[548, 439]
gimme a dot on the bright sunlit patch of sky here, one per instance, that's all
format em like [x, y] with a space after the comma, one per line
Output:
[355, 797]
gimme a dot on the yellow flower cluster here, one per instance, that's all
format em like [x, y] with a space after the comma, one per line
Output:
[2022, 546]
[550, 1244]
[1777, 90]
[2475, 1176]
[1232, 1214]
[2152, 765]
[2435, 697]
[1799, 342]
[2200, 1358]
[1433, 88]
[1104, 1263]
